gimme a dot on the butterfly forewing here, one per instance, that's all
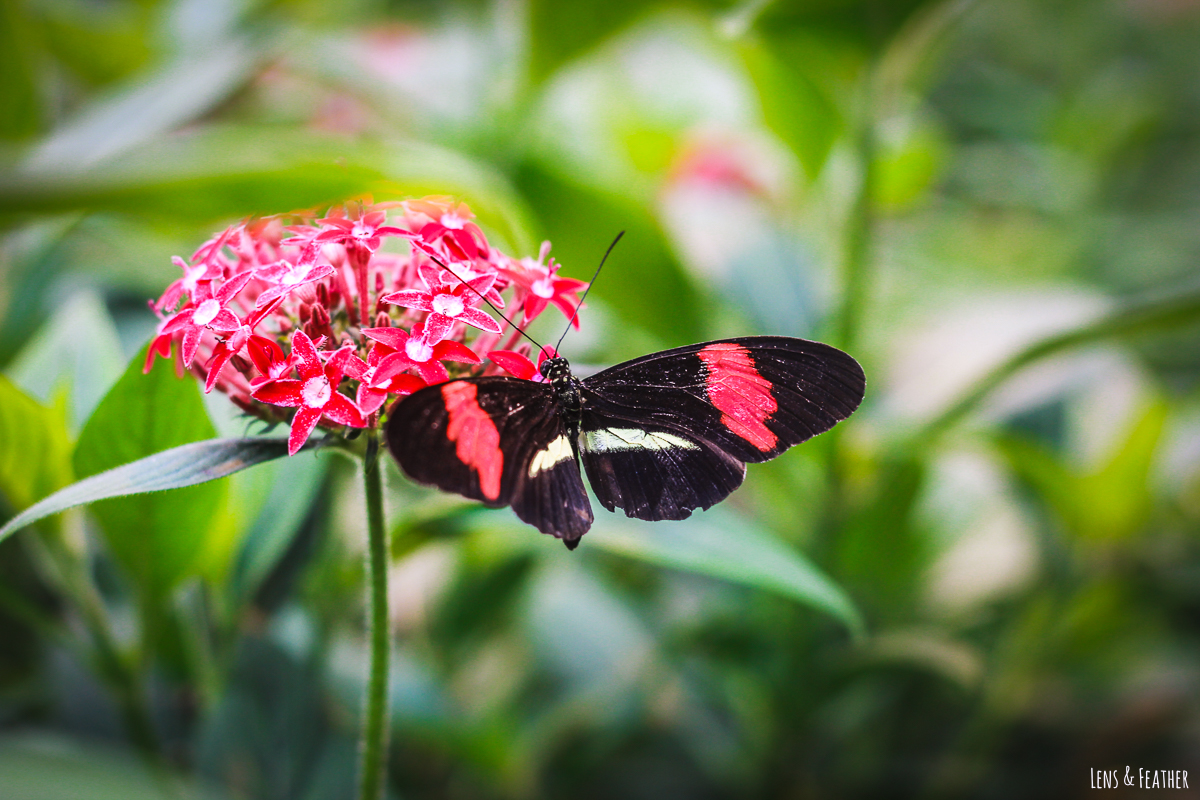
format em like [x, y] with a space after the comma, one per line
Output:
[668, 433]
[752, 397]
[497, 440]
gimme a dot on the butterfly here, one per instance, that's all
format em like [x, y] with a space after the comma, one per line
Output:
[659, 436]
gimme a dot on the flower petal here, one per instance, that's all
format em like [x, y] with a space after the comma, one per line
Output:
[394, 338]
[475, 317]
[191, 343]
[513, 363]
[161, 346]
[433, 372]
[409, 298]
[225, 322]
[232, 286]
[220, 357]
[302, 427]
[369, 400]
[405, 385]
[450, 350]
[534, 306]
[389, 367]
[308, 361]
[341, 409]
[265, 353]
[336, 363]
[568, 308]
[286, 393]
[437, 327]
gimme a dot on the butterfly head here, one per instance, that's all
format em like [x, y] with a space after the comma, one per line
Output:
[556, 371]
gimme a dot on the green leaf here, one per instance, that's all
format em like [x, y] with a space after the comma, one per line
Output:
[646, 282]
[559, 32]
[77, 350]
[151, 106]
[39, 767]
[34, 448]
[906, 168]
[793, 106]
[1139, 317]
[731, 548]
[881, 552]
[155, 537]
[1110, 502]
[20, 101]
[228, 171]
[187, 465]
[288, 499]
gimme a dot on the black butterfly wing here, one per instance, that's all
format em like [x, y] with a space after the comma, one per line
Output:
[497, 440]
[671, 432]
[654, 473]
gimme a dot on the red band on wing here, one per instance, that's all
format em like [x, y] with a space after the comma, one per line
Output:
[740, 393]
[476, 437]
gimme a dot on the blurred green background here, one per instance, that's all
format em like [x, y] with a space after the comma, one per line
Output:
[985, 584]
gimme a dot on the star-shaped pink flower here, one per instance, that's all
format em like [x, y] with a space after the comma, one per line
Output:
[371, 396]
[232, 345]
[315, 394]
[269, 359]
[205, 311]
[285, 276]
[404, 351]
[367, 230]
[186, 286]
[453, 226]
[446, 303]
[543, 286]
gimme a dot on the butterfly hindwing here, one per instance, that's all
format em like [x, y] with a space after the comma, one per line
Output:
[671, 432]
[497, 440]
[654, 473]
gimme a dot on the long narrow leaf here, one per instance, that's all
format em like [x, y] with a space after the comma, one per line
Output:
[732, 549]
[1132, 319]
[187, 465]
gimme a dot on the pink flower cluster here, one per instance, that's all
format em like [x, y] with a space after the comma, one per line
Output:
[369, 301]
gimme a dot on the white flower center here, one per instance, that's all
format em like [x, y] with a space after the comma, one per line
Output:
[296, 273]
[544, 287]
[448, 304]
[191, 278]
[361, 231]
[316, 392]
[453, 221]
[418, 350]
[206, 312]
[369, 379]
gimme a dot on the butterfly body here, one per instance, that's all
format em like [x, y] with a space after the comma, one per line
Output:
[658, 436]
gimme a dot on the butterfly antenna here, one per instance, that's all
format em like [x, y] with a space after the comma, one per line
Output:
[518, 328]
[591, 283]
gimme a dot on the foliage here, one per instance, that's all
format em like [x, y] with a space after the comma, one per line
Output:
[981, 585]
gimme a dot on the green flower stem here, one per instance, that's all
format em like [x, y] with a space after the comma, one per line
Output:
[857, 253]
[857, 242]
[374, 743]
